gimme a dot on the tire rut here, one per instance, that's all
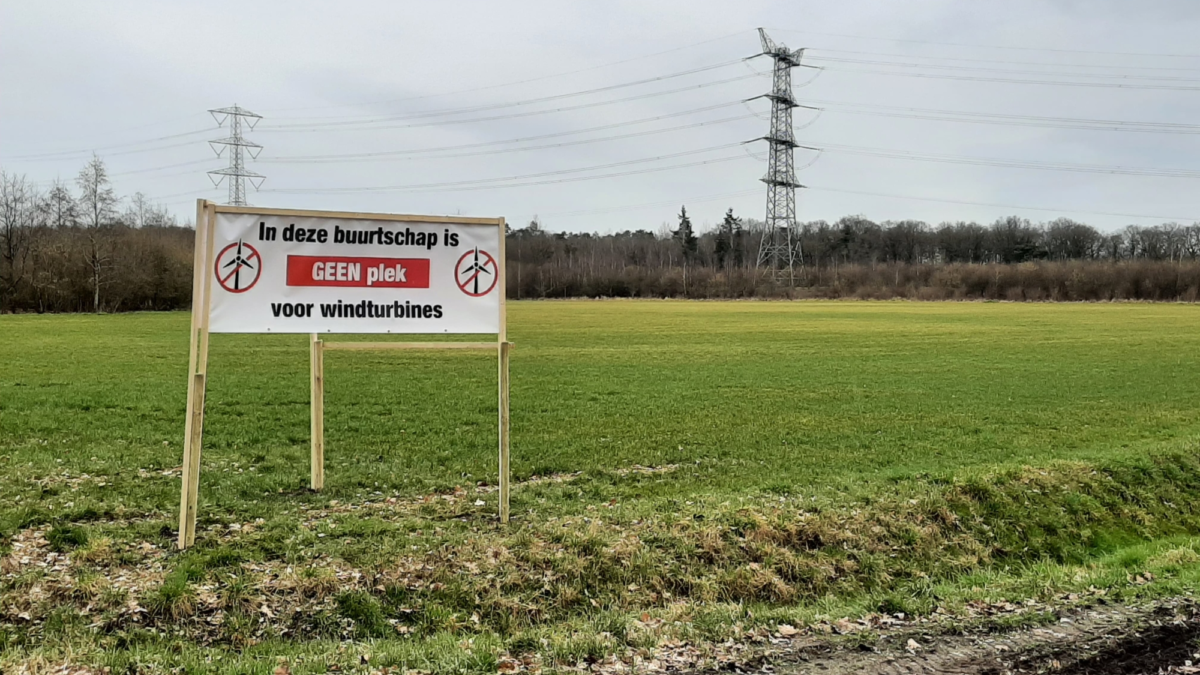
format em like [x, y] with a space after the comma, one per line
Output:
[1163, 637]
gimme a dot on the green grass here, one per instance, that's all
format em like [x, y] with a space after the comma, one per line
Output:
[795, 440]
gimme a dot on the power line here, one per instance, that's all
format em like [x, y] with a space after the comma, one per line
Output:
[1007, 71]
[520, 82]
[589, 105]
[534, 113]
[636, 207]
[154, 169]
[961, 44]
[512, 104]
[1015, 164]
[393, 156]
[55, 156]
[485, 183]
[602, 127]
[1006, 119]
[185, 193]
[70, 154]
[581, 106]
[1003, 61]
[66, 154]
[967, 78]
[576, 179]
[1004, 206]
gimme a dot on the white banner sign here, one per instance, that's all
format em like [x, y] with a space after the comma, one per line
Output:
[278, 274]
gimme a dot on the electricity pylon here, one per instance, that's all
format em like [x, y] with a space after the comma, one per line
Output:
[779, 251]
[237, 172]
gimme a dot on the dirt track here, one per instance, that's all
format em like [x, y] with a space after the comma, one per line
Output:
[1115, 640]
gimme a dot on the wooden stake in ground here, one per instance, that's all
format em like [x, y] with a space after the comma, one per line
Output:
[316, 359]
[504, 470]
[197, 373]
[502, 339]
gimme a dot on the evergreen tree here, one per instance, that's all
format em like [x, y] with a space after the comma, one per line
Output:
[727, 235]
[686, 236]
[739, 243]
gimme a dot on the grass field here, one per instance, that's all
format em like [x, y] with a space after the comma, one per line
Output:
[741, 464]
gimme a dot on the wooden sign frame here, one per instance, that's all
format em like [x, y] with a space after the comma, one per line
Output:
[206, 220]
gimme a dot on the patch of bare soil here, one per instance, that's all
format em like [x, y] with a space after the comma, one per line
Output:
[1163, 637]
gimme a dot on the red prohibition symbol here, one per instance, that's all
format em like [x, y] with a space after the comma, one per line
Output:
[476, 273]
[238, 267]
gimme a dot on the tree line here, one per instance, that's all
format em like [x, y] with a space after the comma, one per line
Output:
[81, 248]
[1009, 259]
[64, 250]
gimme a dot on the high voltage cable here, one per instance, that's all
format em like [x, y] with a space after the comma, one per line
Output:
[472, 184]
[512, 104]
[1006, 71]
[1140, 82]
[119, 145]
[390, 155]
[1016, 120]
[394, 157]
[189, 144]
[999, 122]
[518, 82]
[385, 153]
[635, 207]
[161, 168]
[1004, 206]
[961, 44]
[747, 193]
[67, 154]
[509, 116]
[508, 181]
[121, 174]
[530, 113]
[968, 78]
[619, 174]
[167, 175]
[999, 61]
[162, 199]
[1015, 164]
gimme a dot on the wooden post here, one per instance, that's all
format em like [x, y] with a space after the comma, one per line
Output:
[504, 346]
[317, 381]
[504, 467]
[197, 373]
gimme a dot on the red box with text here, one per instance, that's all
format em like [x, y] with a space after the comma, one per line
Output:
[355, 272]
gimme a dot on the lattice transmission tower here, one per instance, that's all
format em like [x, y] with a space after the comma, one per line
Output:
[779, 251]
[236, 172]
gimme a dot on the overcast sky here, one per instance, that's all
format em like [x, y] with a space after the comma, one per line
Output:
[351, 78]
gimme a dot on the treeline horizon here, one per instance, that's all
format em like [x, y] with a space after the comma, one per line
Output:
[854, 257]
[65, 250]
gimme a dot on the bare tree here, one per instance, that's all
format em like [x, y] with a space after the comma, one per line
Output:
[1066, 239]
[59, 207]
[140, 211]
[97, 203]
[18, 213]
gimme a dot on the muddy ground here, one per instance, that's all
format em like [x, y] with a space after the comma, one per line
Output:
[1163, 637]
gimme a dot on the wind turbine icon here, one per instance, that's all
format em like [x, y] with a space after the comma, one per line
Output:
[240, 261]
[476, 267]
